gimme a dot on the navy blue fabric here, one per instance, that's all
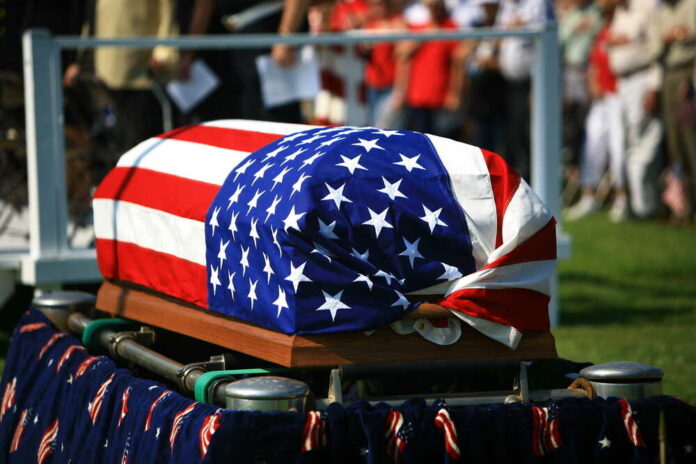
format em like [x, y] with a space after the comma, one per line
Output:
[45, 392]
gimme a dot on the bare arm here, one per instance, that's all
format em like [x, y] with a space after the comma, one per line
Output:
[294, 12]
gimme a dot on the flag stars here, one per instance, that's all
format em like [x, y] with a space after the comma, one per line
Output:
[157, 433]
[253, 233]
[234, 198]
[297, 186]
[432, 218]
[214, 278]
[278, 179]
[336, 195]
[605, 442]
[280, 302]
[322, 251]
[242, 169]
[297, 275]
[329, 142]
[352, 164]
[252, 292]
[214, 219]
[274, 234]
[364, 278]
[261, 172]
[267, 269]
[230, 285]
[254, 201]
[411, 251]
[233, 224]
[311, 139]
[291, 221]
[244, 262]
[401, 301]
[311, 159]
[392, 190]
[333, 304]
[378, 221]
[290, 138]
[294, 155]
[274, 153]
[451, 272]
[222, 256]
[368, 144]
[387, 133]
[409, 163]
[270, 211]
[387, 276]
[361, 256]
[327, 230]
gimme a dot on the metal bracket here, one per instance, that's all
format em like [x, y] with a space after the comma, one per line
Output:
[215, 363]
[145, 336]
[521, 385]
[89, 335]
[335, 387]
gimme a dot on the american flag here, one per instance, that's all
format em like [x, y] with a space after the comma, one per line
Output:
[399, 432]
[305, 229]
[546, 434]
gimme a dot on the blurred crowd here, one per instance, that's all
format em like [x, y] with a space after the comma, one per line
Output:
[629, 105]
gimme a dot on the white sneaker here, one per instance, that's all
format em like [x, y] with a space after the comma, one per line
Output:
[619, 210]
[586, 206]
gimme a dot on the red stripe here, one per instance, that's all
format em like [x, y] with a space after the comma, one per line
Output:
[504, 181]
[539, 247]
[521, 308]
[175, 276]
[231, 139]
[176, 195]
[19, 431]
[536, 431]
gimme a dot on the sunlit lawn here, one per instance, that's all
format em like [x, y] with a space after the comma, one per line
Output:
[629, 293]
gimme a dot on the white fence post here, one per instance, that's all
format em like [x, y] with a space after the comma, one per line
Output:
[546, 133]
[48, 210]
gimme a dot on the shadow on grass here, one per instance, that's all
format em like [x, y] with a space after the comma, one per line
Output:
[594, 300]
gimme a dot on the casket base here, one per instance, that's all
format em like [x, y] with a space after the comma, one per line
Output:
[383, 346]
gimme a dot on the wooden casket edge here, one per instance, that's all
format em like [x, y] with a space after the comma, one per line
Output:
[322, 350]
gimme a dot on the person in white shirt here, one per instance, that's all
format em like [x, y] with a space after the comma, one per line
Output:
[628, 46]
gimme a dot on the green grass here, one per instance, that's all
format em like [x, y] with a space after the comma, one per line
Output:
[628, 293]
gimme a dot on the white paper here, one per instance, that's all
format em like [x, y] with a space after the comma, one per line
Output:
[187, 94]
[284, 85]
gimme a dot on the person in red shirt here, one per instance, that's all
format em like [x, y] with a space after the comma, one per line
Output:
[430, 75]
[380, 69]
[603, 130]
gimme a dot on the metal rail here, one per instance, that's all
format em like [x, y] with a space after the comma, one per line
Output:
[123, 345]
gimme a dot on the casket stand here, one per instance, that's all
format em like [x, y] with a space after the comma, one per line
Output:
[383, 346]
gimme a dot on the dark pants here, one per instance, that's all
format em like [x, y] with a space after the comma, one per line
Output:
[248, 92]
[517, 151]
[138, 117]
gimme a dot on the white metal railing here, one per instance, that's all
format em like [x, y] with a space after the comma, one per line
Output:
[51, 260]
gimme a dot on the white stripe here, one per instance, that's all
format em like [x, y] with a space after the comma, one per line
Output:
[533, 275]
[190, 160]
[471, 185]
[150, 228]
[526, 215]
[267, 127]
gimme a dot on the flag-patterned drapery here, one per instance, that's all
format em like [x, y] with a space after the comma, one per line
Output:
[306, 229]
[89, 411]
